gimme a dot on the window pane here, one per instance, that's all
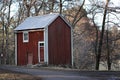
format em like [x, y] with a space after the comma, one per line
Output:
[41, 44]
[25, 36]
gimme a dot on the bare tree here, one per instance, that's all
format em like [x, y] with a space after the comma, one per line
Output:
[38, 6]
[5, 21]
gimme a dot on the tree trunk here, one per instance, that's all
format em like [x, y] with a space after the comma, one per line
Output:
[108, 52]
[60, 6]
[101, 37]
[7, 33]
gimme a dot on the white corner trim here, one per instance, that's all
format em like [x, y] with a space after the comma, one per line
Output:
[15, 48]
[72, 47]
[38, 53]
[46, 45]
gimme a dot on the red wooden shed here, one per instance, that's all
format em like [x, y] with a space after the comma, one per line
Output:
[44, 39]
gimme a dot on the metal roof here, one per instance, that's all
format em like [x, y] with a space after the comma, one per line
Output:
[37, 22]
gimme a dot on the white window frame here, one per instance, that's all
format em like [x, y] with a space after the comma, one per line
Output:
[27, 40]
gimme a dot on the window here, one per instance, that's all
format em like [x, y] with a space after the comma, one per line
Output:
[41, 44]
[25, 36]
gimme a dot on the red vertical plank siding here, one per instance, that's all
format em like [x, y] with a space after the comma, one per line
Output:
[59, 42]
[29, 47]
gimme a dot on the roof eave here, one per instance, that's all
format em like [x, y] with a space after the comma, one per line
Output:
[65, 21]
[52, 21]
[37, 29]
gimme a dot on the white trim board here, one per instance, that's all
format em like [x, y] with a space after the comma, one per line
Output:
[15, 49]
[46, 46]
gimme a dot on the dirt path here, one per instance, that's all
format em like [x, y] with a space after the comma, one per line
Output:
[11, 75]
[46, 74]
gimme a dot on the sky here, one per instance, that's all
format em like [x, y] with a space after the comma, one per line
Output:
[115, 2]
[99, 17]
[14, 9]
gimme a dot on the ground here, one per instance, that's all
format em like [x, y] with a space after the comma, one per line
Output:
[10, 75]
[8, 72]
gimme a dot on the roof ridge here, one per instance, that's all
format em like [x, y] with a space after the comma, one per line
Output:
[45, 15]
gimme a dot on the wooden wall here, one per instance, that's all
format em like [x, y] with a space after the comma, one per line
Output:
[23, 49]
[59, 42]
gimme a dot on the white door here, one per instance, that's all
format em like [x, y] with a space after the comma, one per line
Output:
[41, 51]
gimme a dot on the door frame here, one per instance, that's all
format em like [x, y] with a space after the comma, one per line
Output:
[39, 42]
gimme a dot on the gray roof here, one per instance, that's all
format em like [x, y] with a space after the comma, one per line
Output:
[37, 22]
